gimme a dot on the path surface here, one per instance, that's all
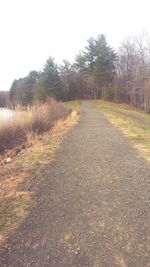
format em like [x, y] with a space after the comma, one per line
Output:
[93, 204]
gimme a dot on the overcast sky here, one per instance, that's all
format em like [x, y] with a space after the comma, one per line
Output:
[32, 30]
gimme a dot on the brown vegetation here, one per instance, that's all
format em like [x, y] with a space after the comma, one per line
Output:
[32, 121]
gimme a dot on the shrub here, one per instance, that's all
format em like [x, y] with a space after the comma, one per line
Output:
[34, 120]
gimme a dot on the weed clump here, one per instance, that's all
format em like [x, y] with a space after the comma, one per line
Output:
[30, 121]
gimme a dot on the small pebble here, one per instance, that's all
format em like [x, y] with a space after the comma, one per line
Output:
[77, 251]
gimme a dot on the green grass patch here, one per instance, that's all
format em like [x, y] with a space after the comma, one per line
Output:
[73, 104]
[10, 212]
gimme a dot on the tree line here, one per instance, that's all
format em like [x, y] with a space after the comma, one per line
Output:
[97, 72]
[4, 99]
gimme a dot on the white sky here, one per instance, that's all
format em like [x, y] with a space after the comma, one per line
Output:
[32, 30]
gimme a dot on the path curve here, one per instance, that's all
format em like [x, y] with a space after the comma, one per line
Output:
[92, 204]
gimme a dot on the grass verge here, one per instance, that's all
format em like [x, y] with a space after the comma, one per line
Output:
[134, 127]
[18, 180]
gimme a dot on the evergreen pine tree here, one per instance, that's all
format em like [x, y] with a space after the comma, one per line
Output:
[49, 83]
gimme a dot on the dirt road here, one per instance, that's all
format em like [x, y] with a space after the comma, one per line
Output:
[93, 204]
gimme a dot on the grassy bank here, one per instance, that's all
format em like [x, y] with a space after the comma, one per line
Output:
[19, 180]
[134, 123]
[28, 123]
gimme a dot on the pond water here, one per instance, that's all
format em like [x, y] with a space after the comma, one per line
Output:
[6, 114]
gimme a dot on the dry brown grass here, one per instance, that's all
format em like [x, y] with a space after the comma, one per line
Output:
[16, 195]
[33, 121]
[13, 201]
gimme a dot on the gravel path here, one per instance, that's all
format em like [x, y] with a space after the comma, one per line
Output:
[92, 204]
